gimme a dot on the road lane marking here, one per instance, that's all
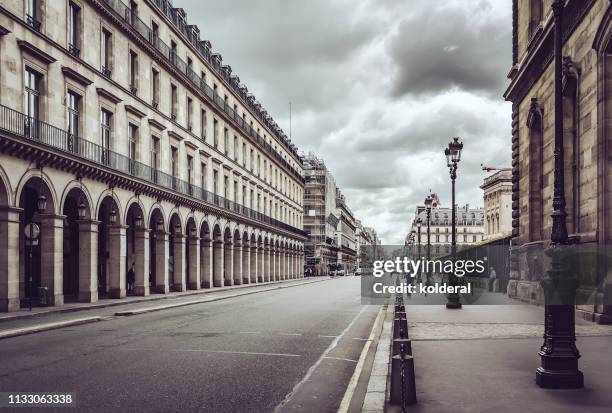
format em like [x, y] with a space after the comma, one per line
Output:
[249, 353]
[362, 339]
[350, 390]
[290, 334]
[340, 358]
[324, 336]
[249, 332]
[312, 368]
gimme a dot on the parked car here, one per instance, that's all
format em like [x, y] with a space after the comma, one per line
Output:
[358, 272]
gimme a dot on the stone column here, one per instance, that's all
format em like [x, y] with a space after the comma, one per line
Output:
[9, 258]
[141, 261]
[88, 260]
[117, 250]
[246, 264]
[193, 271]
[228, 263]
[237, 263]
[206, 263]
[267, 252]
[272, 264]
[162, 247]
[217, 263]
[260, 264]
[254, 273]
[279, 274]
[52, 256]
[178, 274]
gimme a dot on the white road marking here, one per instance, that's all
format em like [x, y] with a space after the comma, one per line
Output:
[249, 332]
[340, 358]
[250, 353]
[290, 334]
[323, 336]
[350, 390]
[312, 368]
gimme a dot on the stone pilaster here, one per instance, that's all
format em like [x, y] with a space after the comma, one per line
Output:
[162, 248]
[228, 264]
[116, 260]
[141, 261]
[9, 258]
[237, 263]
[267, 252]
[88, 260]
[52, 256]
[254, 273]
[246, 264]
[178, 273]
[206, 263]
[193, 270]
[260, 264]
[217, 263]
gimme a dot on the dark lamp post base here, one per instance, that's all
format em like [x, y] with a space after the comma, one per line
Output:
[559, 379]
[454, 302]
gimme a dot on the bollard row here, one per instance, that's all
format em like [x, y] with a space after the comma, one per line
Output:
[403, 385]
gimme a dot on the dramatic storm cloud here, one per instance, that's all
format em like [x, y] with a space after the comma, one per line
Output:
[378, 88]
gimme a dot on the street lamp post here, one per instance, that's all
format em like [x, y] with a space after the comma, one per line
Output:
[559, 355]
[419, 221]
[428, 202]
[453, 156]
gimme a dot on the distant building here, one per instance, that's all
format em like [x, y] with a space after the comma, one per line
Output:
[498, 204]
[470, 228]
[364, 237]
[320, 220]
[345, 234]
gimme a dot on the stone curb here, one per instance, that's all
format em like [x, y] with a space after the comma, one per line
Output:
[62, 310]
[47, 327]
[69, 323]
[377, 394]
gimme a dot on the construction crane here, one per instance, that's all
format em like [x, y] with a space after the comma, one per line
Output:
[493, 168]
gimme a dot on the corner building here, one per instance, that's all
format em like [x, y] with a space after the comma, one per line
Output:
[128, 142]
[587, 133]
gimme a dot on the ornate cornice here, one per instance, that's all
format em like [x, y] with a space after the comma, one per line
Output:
[108, 95]
[36, 52]
[76, 76]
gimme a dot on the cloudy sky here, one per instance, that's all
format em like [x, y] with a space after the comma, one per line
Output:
[378, 88]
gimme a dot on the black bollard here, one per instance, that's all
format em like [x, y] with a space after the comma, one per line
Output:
[400, 328]
[399, 342]
[403, 386]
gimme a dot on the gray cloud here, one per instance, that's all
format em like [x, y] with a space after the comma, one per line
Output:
[444, 47]
[378, 89]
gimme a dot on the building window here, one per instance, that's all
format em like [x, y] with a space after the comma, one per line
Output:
[189, 114]
[74, 104]
[226, 141]
[32, 14]
[133, 72]
[174, 165]
[252, 163]
[155, 153]
[105, 128]
[106, 52]
[203, 175]
[244, 154]
[235, 148]
[244, 192]
[190, 170]
[216, 133]
[203, 124]
[173, 101]
[155, 90]
[536, 14]
[216, 182]
[73, 29]
[132, 138]
[32, 82]
[225, 187]
[235, 191]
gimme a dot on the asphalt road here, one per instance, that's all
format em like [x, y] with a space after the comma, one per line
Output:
[291, 349]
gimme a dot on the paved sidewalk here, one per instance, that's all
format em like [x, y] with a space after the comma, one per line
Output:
[79, 313]
[484, 358]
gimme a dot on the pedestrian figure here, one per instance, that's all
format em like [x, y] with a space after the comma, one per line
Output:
[131, 278]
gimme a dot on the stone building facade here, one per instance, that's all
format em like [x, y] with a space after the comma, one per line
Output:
[497, 194]
[320, 220]
[345, 235]
[128, 142]
[587, 134]
[470, 229]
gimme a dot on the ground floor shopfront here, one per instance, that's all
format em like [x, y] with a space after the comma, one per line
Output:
[90, 234]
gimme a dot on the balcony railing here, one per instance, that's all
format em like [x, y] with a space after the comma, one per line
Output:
[40, 132]
[165, 7]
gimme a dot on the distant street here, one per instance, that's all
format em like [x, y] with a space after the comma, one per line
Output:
[292, 349]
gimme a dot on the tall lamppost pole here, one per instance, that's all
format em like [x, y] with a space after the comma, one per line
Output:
[453, 156]
[428, 202]
[419, 221]
[559, 355]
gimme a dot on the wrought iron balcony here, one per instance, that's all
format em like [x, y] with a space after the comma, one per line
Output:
[32, 22]
[165, 7]
[44, 134]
